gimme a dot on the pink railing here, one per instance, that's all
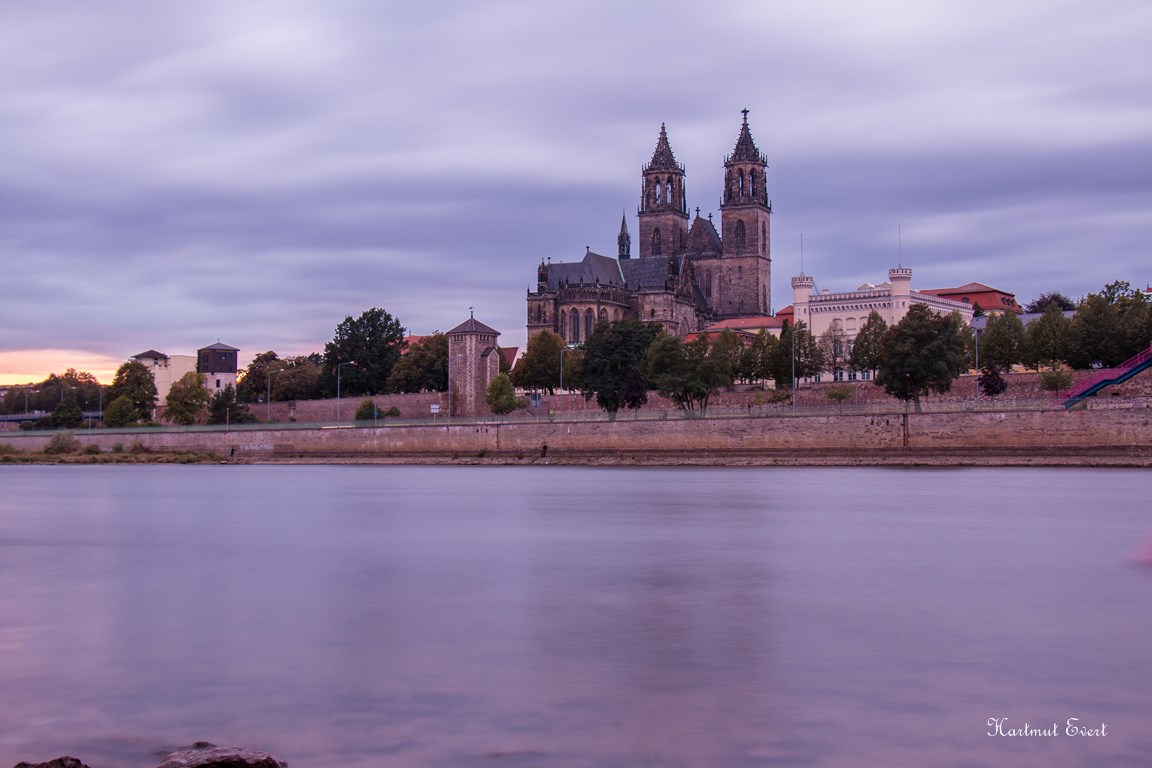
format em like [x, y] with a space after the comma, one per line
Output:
[1106, 374]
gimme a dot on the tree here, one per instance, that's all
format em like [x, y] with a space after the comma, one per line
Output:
[187, 400]
[120, 413]
[252, 386]
[805, 352]
[67, 415]
[834, 349]
[868, 349]
[423, 367]
[1047, 339]
[923, 353]
[539, 368]
[755, 361]
[224, 408]
[612, 365]
[372, 342]
[367, 410]
[839, 394]
[501, 395]
[297, 378]
[1000, 341]
[134, 381]
[1055, 381]
[990, 381]
[723, 354]
[688, 374]
[1045, 300]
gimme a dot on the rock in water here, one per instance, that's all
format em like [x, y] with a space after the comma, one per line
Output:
[60, 762]
[220, 757]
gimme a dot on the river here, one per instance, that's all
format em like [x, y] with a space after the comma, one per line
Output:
[569, 617]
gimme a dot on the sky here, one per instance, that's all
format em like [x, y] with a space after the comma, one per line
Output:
[173, 173]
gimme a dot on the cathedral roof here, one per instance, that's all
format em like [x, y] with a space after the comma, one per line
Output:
[662, 158]
[746, 151]
[472, 325]
[703, 237]
[644, 274]
[593, 268]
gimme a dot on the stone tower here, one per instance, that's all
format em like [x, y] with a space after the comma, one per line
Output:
[745, 230]
[623, 240]
[473, 361]
[663, 208]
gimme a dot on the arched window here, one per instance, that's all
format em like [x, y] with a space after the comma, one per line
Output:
[603, 315]
[589, 322]
[575, 338]
[656, 242]
[668, 191]
[563, 323]
[659, 193]
[740, 236]
[616, 314]
[707, 283]
[752, 183]
[740, 183]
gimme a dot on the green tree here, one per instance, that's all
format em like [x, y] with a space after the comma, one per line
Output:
[1001, 340]
[868, 349]
[1055, 381]
[839, 395]
[923, 353]
[990, 381]
[539, 367]
[134, 381]
[1047, 339]
[573, 370]
[805, 352]
[423, 367]
[1095, 334]
[688, 374]
[224, 408]
[612, 366]
[67, 415]
[121, 412]
[834, 349]
[297, 378]
[252, 386]
[372, 342]
[759, 356]
[187, 401]
[367, 410]
[1045, 300]
[501, 395]
[723, 354]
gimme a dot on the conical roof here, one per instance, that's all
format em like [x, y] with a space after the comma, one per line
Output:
[662, 158]
[472, 325]
[746, 151]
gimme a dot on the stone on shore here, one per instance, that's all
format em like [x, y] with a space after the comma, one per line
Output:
[60, 762]
[205, 755]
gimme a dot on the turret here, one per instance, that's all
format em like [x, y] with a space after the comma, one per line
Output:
[663, 207]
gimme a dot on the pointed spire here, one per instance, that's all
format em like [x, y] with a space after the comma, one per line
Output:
[746, 151]
[662, 158]
[623, 240]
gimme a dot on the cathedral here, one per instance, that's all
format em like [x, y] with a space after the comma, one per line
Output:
[686, 275]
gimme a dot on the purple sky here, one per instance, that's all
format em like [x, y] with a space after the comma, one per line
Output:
[176, 173]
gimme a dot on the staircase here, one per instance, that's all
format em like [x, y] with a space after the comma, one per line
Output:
[1106, 377]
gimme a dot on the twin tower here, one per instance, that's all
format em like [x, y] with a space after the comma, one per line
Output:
[687, 275]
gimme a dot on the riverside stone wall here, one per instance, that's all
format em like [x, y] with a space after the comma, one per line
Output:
[1002, 430]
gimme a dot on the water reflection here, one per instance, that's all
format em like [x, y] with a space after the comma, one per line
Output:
[573, 617]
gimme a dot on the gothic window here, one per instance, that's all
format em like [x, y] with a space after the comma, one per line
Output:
[656, 242]
[603, 315]
[563, 323]
[752, 183]
[575, 338]
[740, 184]
[707, 283]
[589, 322]
[659, 193]
[668, 191]
[740, 236]
[615, 314]
[763, 238]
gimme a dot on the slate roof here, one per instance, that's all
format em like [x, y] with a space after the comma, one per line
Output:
[703, 237]
[218, 346]
[645, 274]
[592, 268]
[150, 355]
[472, 325]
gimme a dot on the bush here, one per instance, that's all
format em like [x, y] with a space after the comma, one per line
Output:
[1055, 381]
[139, 447]
[392, 413]
[62, 442]
[367, 410]
[92, 449]
[120, 412]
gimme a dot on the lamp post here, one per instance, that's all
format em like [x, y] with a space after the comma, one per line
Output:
[977, 331]
[338, 367]
[268, 397]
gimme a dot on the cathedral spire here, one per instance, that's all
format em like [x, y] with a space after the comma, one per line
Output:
[623, 240]
[745, 151]
[662, 157]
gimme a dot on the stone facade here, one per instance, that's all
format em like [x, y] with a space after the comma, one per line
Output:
[687, 275]
[473, 361]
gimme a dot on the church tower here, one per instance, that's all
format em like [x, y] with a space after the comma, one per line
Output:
[745, 223]
[623, 240]
[663, 207]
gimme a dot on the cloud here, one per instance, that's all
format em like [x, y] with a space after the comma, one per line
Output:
[174, 173]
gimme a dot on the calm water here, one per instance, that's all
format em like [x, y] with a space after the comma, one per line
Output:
[523, 617]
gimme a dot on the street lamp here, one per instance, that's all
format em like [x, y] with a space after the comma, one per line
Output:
[338, 367]
[268, 398]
